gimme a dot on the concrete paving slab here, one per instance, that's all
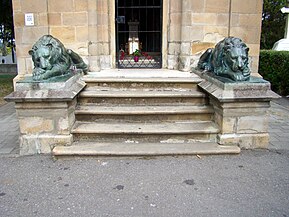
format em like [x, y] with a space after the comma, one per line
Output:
[9, 129]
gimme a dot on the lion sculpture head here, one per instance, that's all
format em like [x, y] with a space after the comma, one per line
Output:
[52, 59]
[229, 59]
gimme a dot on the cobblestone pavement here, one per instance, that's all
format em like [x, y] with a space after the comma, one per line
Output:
[279, 124]
[278, 127]
[9, 130]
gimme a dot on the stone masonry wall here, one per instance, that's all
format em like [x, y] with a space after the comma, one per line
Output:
[87, 27]
[195, 25]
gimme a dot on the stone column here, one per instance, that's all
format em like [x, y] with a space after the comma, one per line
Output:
[103, 40]
[186, 35]
[174, 35]
[92, 36]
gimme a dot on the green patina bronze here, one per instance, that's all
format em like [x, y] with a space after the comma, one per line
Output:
[51, 59]
[228, 59]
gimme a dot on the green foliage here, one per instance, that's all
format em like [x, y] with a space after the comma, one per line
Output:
[6, 21]
[274, 67]
[136, 53]
[6, 86]
[273, 22]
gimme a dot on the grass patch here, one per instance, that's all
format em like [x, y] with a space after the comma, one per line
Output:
[6, 86]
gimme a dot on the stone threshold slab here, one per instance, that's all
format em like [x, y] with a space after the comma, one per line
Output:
[98, 79]
[143, 149]
[109, 92]
[142, 73]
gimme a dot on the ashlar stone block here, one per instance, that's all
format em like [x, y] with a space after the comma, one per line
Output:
[54, 19]
[31, 125]
[245, 6]
[81, 5]
[60, 6]
[33, 6]
[18, 19]
[222, 6]
[64, 34]
[75, 19]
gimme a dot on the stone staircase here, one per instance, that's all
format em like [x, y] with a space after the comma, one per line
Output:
[130, 116]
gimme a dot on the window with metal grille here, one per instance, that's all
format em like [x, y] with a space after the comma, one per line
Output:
[139, 33]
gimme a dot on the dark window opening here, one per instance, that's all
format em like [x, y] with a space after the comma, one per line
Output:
[139, 33]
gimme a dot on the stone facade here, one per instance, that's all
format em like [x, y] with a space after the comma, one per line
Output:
[88, 27]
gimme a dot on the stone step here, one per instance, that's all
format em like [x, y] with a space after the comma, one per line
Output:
[124, 93]
[143, 149]
[137, 113]
[142, 97]
[145, 132]
[140, 83]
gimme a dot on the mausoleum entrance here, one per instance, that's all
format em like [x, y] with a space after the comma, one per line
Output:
[138, 33]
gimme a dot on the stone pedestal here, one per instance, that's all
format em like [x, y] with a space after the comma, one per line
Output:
[240, 109]
[45, 112]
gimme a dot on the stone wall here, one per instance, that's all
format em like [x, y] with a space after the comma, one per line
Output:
[8, 69]
[195, 25]
[87, 27]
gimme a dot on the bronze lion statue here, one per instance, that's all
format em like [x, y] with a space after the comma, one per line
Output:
[228, 59]
[52, 59]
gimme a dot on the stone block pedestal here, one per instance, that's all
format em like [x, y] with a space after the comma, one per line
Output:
[45, 112]
[240, 109]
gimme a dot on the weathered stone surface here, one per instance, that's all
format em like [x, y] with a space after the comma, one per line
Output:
[33, 6]
[105, 61]
[64, 33]
[245, 141]
[42, 144]
[75, 19]
[225, 91]
[60, 6]
[201, 46]
[132, 149]
[173, 62]
[217, 7]
[54, 19]
[62, 83]
[245, 6]
[240, 110]
[46, 113]
[252, 124]
[29, 91]
[31, 125]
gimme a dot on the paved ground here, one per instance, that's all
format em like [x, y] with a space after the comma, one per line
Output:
[9, 129]
[254, 183]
